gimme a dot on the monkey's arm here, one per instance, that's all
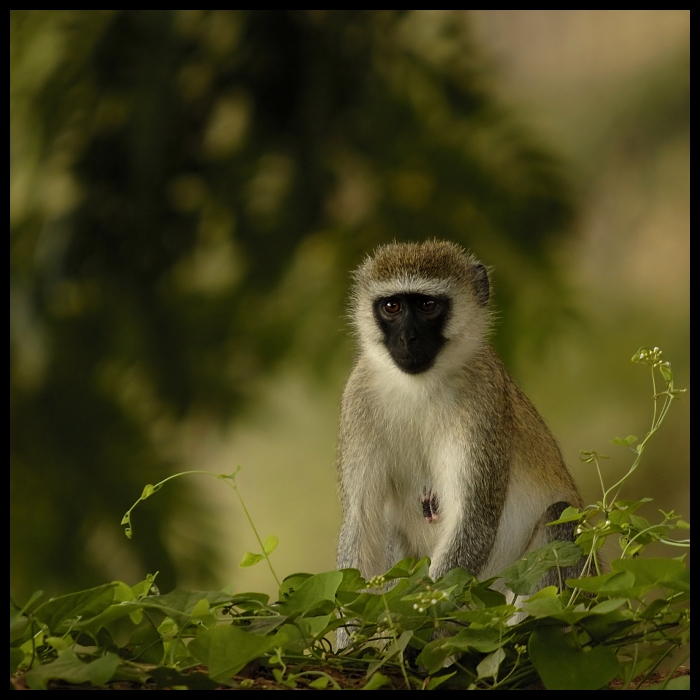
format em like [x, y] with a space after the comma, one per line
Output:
[473, 501]
[364, 540]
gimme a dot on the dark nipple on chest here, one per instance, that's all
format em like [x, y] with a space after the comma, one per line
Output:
[429, 502]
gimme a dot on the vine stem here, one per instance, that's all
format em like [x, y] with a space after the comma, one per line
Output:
[231, 481]
[657, 420]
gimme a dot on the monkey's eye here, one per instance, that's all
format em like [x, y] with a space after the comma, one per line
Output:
[391, 306]
[428, 306]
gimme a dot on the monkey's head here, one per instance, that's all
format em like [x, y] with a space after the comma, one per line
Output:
[417, 305]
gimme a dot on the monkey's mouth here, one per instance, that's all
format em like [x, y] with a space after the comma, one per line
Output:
[413, 364]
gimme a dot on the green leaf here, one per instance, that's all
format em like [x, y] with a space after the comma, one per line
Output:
[568, 515]
[59, 613]
[314, 591]
[620, 583]
[59, 643]
[295, 638]
[68, 667]
[250, 559]
[291, 583]
[666, 372]
[92, 625]
[589, 456]
[145, 644]
[180, 604]
[562, 666]
[16, 658]
[144, 587]
[18, 624]
[378, 680]
[201, 608]
[482, 594]
[226, 649]
[543, 607]
[655, 571]
[455, 581]
[270, 544]
[524, 576]
[320, 683]
[263, 625]
[436, 681]
[407, 568]
[625, 442]
[148, 490]
[487, 617]
[350, 586]
[607, 606]
[250, 601]
[488, 667]
[485, 641]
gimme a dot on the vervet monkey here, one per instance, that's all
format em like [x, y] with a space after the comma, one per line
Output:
[439, 452]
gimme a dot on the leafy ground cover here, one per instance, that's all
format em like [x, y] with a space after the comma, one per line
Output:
[613, 628]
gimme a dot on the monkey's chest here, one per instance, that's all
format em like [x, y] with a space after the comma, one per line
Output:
[423, 451]
[415, 506]
[414, 515]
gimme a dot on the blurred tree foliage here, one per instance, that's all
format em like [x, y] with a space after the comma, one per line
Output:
[188, 191]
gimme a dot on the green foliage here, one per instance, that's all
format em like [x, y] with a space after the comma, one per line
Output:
[460, 632]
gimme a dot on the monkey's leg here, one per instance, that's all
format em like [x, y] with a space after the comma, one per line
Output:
[564, 532]
[366, 543]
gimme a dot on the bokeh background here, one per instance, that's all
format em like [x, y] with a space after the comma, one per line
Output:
[189, 190]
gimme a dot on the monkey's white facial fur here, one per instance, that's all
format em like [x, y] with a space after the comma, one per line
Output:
[421, 306]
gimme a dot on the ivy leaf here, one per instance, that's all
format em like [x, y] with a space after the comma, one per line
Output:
[226, 649]
[270, 544]
[488, 667]
[524, 576]
[180, 605]
[614, 583]
[654, 572]
[148, 491]
[16, 658]
[562, 666]
[315, 591]
[201, 608]
[484, 640]
[666, 372]
[58, 613]
[625, 442]
[68, 667]
[436, 681]
[378, 680]
[568, 515]
[250, 559]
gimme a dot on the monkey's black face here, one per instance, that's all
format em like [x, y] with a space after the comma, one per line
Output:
[413, 326]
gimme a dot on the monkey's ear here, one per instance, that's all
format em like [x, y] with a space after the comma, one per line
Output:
[481, 284]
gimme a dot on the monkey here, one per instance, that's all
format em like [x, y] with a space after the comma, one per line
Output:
[440, 454]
